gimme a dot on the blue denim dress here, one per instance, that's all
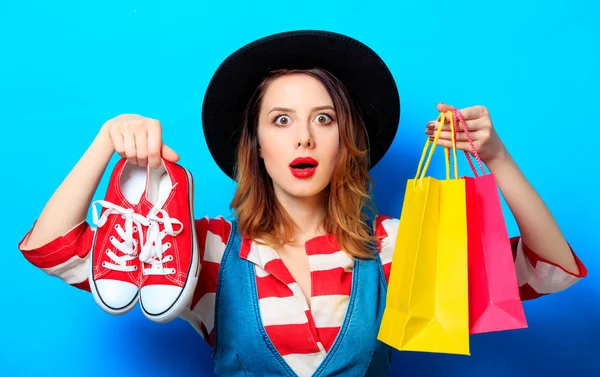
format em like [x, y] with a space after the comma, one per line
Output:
[242, 347]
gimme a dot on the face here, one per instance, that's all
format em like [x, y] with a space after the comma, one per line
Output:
[298, 135]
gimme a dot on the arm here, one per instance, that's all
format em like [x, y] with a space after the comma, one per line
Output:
[68, 206]
[545, 263]
[60, 241]
[539, 230]
[134, 137]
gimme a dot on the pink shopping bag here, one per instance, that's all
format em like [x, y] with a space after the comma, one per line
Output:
[494, 301]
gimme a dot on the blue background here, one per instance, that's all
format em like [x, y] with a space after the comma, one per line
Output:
[66, 67]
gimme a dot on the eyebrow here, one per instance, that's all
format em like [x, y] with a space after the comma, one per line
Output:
[285, 109]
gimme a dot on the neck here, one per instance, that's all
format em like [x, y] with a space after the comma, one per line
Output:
[307, 212]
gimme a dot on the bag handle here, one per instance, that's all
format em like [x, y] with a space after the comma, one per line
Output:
[428, 152]
[453, 132]
[461, 120]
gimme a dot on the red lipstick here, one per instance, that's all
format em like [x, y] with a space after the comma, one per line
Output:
[303, 167]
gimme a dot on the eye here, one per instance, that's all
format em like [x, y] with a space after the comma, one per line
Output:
[282, 120]
[323, 118]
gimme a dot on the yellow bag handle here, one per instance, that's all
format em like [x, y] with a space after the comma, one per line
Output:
[447, 151]
[431, 150]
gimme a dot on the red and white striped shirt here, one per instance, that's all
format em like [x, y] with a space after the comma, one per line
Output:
[302, 335]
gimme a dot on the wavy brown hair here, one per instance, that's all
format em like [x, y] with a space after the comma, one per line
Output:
[261, 216]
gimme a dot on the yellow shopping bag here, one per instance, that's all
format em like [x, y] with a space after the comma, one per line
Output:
[427, 299]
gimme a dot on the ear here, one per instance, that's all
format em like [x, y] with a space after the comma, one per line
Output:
[258, 147]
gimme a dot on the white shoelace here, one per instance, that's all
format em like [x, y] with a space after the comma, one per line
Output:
[153, 249]
[127, 245]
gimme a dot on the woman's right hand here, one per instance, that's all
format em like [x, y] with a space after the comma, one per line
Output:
[139, 140]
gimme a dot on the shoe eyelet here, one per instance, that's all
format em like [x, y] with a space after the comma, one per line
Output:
[107, 251]
[103, 264]
[135, 228]
[135, 268]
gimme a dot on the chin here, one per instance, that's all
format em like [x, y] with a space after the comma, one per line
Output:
[304, 193]
[304, 189]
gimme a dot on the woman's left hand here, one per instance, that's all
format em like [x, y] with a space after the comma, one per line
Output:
[479, 124]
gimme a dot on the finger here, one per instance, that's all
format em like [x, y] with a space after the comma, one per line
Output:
[447, 115]
[472, 125]
[130, 152]
[141, 145]
[154, 144]
[474, 112]
[442, 107]
[462, 145]
[447, 135]
[169, 154]
[477, 138]
[117, 140]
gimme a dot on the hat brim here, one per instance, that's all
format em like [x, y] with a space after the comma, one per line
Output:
[365, 75]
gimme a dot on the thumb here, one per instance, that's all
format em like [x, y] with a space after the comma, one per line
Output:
[169, 154]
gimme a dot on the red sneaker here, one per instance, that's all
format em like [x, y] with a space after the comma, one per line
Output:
[169, 256]
[115, 268]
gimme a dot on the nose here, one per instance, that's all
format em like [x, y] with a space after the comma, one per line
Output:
[305, 137]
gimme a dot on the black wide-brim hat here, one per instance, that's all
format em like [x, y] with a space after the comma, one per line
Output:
[366, 77]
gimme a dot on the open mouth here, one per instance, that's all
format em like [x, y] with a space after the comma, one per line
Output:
[303, 165]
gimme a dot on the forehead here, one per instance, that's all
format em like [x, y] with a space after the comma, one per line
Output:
[296, 90]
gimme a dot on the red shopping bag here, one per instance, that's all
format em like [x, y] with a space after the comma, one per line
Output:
[494, 300]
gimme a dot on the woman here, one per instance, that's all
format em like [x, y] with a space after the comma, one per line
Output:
[293, 284]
